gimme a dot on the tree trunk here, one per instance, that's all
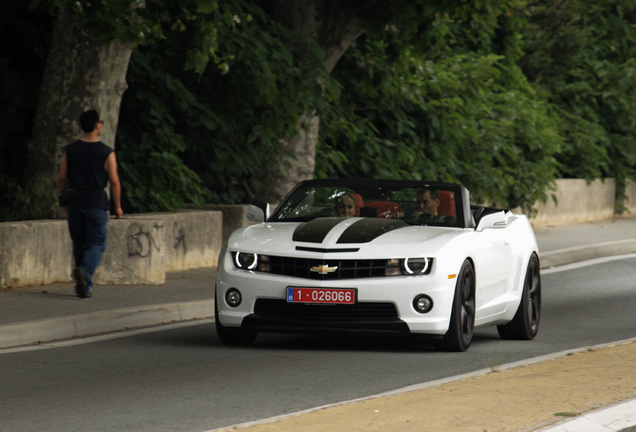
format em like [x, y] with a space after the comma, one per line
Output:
[334, 27]
[296, 162]
[81, 73]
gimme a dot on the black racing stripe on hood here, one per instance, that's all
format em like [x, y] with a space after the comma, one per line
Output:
[315, 230]
[366, 230]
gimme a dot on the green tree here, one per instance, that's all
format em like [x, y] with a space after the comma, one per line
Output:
[227, 100]
[84, 69]
[581, 55]
[195, 131]
[88, 57]
[459, 109]
[262, 105]
[107, 30]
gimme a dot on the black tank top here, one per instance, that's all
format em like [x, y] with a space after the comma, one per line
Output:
[86, 173]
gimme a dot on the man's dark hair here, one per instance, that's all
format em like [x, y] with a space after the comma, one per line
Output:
[434, 192]
[88, 120]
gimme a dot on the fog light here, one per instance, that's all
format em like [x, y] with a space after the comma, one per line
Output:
[233, 297]
[423, 303]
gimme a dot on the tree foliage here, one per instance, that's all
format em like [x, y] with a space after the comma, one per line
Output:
[581, 57]
[201, 131]
[458, 112]
[502, 96]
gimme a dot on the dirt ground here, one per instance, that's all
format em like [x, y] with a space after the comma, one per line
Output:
[524, 398]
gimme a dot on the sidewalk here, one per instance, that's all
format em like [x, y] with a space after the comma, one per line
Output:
[44, 313]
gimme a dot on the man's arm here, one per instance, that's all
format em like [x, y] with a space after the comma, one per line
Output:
[115, 186]
[61, 179]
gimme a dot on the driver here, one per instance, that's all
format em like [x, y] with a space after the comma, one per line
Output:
[428, 202]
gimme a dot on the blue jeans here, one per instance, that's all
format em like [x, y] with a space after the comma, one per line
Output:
[87, 227]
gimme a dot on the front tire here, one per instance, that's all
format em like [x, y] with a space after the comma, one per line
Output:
[525, 324]
[462, 322]
[230, 335]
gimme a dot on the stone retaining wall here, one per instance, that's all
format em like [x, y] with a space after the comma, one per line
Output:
[630, 191]
[140, 249]
[234, 216]
[34, 252]
[577, 200]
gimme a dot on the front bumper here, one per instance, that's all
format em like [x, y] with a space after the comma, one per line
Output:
[384, 304]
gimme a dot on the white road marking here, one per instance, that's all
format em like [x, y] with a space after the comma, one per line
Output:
[586, 263]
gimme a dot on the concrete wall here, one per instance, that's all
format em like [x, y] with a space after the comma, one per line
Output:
[193, 238]
[234, 216]
[34, 252]
[135, 252]
[630, 191]
[577, 201]
[140, 249]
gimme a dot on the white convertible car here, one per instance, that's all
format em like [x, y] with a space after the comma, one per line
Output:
[380, 256]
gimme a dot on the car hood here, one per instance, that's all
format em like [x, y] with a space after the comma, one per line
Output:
[338, 234]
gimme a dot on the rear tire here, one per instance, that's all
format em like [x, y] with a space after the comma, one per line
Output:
[525, 324]
[230, 335]
[462, 322]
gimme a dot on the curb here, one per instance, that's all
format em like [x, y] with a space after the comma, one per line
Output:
[90, 324]
[574, 254]
[620, 417]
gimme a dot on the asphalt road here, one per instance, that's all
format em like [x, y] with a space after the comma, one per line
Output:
[183, 379]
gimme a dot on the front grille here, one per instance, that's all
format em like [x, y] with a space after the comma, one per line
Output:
[331, 269]
[320, 313]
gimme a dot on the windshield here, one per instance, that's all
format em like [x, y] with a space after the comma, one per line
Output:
[416, 203]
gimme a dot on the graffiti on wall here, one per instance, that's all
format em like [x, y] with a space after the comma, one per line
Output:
[144, 240]
[180, 238]
[141, 241]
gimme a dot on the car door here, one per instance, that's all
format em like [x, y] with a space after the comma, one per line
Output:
[493, 260]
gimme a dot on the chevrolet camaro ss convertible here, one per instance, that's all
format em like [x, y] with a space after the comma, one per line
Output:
[379, 256]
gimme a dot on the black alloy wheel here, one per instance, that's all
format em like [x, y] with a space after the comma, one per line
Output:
[525, 324]
[462, 322]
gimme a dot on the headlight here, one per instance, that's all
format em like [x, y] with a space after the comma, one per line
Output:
[244, 260]
[415, 266]
[250, 261]
[409, 266]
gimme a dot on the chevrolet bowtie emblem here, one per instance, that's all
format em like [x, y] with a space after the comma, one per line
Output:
[323, 269]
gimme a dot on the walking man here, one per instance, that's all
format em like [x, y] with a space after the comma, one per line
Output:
[86, 167]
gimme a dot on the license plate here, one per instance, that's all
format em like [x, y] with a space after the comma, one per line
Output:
[321, 295]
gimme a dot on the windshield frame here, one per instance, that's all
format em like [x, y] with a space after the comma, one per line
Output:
[370, 190]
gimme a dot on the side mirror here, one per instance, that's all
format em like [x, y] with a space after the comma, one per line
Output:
[493, 220]
[255, 214]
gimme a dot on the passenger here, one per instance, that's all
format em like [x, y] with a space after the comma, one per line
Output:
[346, 205]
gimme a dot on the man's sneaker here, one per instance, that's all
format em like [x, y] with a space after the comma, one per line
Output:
[80, 282]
